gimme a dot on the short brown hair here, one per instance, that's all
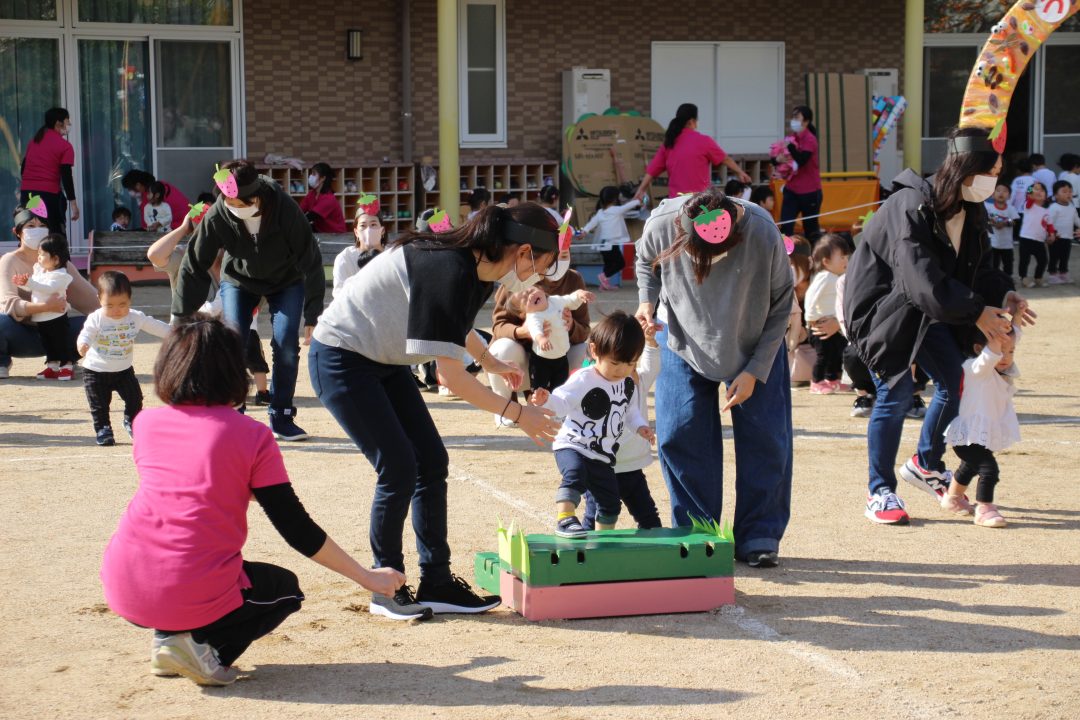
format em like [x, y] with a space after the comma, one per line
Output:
[826, 245]
[114, 282]
[618, 336]
[201, 362]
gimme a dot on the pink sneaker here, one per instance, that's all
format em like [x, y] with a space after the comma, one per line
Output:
[839, 386]
[957, 505]
[822, 388]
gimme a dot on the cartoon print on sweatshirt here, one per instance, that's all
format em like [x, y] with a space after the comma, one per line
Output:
[607, 418]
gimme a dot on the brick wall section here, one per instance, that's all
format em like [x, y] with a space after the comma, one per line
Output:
[304, 98]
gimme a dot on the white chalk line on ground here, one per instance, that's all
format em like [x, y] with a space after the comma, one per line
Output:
[741, 618]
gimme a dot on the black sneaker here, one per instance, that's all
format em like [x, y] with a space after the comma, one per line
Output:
[105, 436]
[402, 606]
[762, 559]
[863, 406]
[918, 407]
[127, 427]
[571, 528]
[454, 596]
[262, 398]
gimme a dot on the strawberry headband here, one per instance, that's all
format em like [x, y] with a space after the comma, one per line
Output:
[709, 226]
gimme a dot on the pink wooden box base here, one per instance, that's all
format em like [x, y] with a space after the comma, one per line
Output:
[592, 600]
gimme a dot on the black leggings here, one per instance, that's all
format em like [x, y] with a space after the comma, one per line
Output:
[1032, 249]
[273, 596]
[1003, 260]
[805, 204]
[547, 373]
[99, 389]
[830, 357]
[976, 460]
[614, 261]
[861, 379]
[56, 339]
[1059, 256]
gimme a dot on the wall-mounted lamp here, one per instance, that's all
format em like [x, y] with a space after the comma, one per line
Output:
[354, 48]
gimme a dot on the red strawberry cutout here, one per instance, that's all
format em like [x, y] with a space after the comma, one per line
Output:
[566, 233]
[999, 135]
[197, 212]
[713, 226]
[789, 244]
[368, 204]
[37, 206]
[226, 182]
[440, 221]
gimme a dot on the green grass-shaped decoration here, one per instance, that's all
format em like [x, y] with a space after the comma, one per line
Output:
[709, 526]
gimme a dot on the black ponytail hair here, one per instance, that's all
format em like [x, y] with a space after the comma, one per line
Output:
[609, 195]
[137, 177]
[56, 245]
[808, 116]
[52, 116]
[685, 113]
[327, 173]
[549, 194]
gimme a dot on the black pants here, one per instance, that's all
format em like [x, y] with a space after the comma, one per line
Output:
[55, 204]
[1032, 249]
[805, 204]
[547, 373]
[254, 358]
[830, 357]
[861, 379]
[1059, 256]
[635, 495]
[56, 339]
[614, 261]
[273, 596]
[976, 460]
[1003, 260]
[99, 389]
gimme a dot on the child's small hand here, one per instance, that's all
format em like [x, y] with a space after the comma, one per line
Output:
[648, 433]
[539, 397]
[544, 343]
[83, 349]
[585, 296]
[20, 279]
[650, 334]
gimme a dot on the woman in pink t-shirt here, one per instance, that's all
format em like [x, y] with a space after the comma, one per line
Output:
[802, 193]
[174, 562]
[687, 157]
[320, 205]
[138, 183]
[46, 170]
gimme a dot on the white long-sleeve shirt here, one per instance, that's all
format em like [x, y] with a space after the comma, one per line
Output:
[987, 415]
[43, 284]
[610, 224]
[112, 342]
[635, 452]
[596, 413]
[161, 214]
[558, 335]
[820, 300]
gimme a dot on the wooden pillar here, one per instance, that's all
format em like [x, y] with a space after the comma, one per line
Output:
[449, 160]
[913, 83]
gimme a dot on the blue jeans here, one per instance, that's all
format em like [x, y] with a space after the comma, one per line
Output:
[690, 439]
[286, 315]
[381, 410]
[581, 474]
[635, 495]
[19, 340]
[940, 357]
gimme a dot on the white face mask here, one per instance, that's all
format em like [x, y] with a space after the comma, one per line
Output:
[561, 268]
[514, 284]
[371, 238]
[982, 188]
[243, 213]
[313, 181]
[33, 236]
[796, 126]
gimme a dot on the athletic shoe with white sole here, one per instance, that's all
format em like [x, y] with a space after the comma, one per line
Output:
[762, 559]
[932, 482]
[402, 606]
[885, 508]
[918, 407]
[571, 528]
[454, 596]
[863, 406]
[196, 661]
[156, 668]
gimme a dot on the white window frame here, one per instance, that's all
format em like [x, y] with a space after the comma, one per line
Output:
[468, 139]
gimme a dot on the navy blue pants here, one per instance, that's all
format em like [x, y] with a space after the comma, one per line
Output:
[580, 473]
[635, 495]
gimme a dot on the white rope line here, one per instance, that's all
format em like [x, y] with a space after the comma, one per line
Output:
[95, 248]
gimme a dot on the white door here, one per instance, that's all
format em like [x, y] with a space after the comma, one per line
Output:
[737, 86]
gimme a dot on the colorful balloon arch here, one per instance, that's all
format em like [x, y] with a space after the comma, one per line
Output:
[1003, 59]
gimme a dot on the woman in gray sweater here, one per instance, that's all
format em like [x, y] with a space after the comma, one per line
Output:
[714, 271]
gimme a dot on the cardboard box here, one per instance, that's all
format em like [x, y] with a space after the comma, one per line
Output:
[603, 150]
[842, 106]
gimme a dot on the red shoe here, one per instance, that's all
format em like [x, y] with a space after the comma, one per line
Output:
[65, 374]
[48, 374]
[886, 509]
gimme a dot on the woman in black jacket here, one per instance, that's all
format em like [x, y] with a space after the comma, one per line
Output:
[269, 252]
[922, 271]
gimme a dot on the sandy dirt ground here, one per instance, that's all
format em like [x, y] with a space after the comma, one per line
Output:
[937, 619]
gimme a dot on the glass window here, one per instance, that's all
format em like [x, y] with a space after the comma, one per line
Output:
[114, 94]
[29, 85]
[157, 12]
[28, 9]
[195, 94]
[483, 87]
[974, 16]
[1061, 90]
[946, 74]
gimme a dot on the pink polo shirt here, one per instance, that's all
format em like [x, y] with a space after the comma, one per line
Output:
[174, 562]
[176, 200]
[330, 218]
[807, 178]
[43, 160]
[689, 164]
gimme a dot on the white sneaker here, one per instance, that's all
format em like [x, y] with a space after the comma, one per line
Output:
[156, 668]
[196, 661]
[445, 391]
[1053, 280]
[501, 422]
[931, 482]
[1065, 279]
